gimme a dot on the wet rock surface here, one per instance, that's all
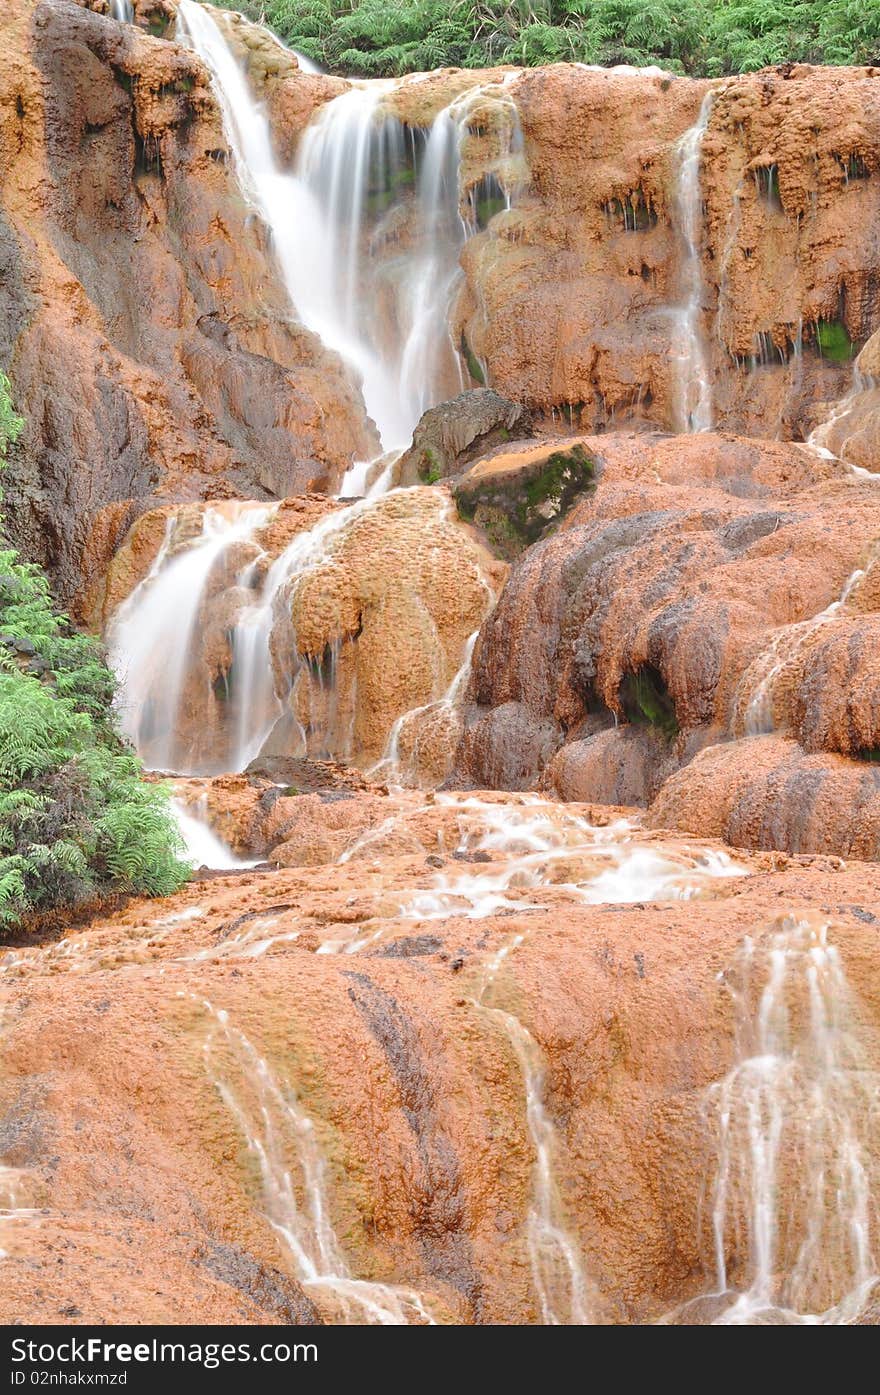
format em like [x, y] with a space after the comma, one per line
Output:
[700, 595]
[449, 437]
[153, 353]
[485, 1053]
[385, 1037]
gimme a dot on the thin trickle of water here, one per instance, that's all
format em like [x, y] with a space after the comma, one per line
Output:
[694, 381]
[275, 1125]
[561, 1283]
[794, 1201]
[392, 767]
[754, 697]
[819, 440]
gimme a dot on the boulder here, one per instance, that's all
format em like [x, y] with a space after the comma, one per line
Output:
[449, 437]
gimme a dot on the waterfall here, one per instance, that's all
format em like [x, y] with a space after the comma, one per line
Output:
[694, 383]
[203, 847]
[123, 10]
[192, 646]
[275, 1125]
[367, 231]
[152, 636]
[794, 1198]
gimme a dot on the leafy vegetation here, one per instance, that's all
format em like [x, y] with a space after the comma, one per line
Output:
[76, 818]
[707, 38]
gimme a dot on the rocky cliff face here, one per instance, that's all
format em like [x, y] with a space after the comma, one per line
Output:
[142, 296]
[152, 349]
[304, 1025]
[585, 298]
[572, 295]
[473, 1055]
[700, 595]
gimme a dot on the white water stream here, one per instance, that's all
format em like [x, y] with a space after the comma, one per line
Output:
[756, 689]
[363, 183]
[154, 634]
[694, 382]
[281, 1136]
[558, 1273]
[536, 844]
[795, 1196]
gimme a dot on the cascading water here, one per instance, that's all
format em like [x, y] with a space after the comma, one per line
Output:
[694, 381]
[828, 431]
[152, 636]
[274, 1125]
[367, 231]
[794, 1203]
[203, 847]
[557, 1266]
[206, 646]
[536, 846]
[388, 313]
[757, 687]
[123, 10]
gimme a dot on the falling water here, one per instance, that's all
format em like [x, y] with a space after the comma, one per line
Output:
[367, 231]
[152, 637]
[392, 767]
[757, 690]
[692, 363]
[203, 847]
[794, 1199]
[122, 10]
[274, 1124]
[820, 439]
[557, 1266]
[181, 716]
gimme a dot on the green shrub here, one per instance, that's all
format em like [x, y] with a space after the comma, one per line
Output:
[384, 38]
[76, 819]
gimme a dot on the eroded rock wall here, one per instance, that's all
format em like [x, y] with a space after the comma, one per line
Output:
[152, 348]
[710, 589]
[146, 1062]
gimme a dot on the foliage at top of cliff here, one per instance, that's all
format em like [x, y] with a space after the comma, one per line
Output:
[77, 821]
[705, 38]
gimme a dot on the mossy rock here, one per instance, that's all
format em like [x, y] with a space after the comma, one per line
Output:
[834, 341]
[518, 505]
[646, 701]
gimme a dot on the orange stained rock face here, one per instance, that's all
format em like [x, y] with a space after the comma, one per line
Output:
[709, 590]
[186, 1079]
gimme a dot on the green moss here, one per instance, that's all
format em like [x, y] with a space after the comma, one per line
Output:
[429, 466]
[516, 509]
[834, 341]
[474, 367]
[646, 701]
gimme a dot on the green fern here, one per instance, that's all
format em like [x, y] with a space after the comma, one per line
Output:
[703, 37]
[77, 820]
